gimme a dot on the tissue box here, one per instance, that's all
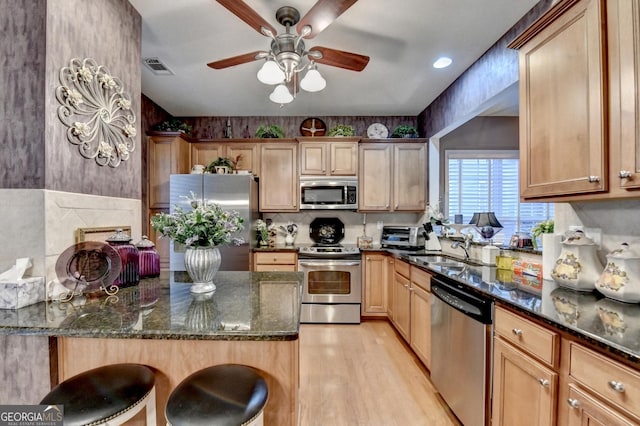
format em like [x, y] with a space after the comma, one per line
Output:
[24, 292]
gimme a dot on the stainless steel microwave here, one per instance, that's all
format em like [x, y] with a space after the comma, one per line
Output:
[329, 193]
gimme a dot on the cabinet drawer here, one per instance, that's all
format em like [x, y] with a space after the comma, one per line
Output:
[527, 335]
[276, 258]
[602, 375]
[272, 267]
[402, 268]
[421, 278]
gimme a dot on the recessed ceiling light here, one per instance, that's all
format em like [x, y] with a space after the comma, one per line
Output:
[442, 62]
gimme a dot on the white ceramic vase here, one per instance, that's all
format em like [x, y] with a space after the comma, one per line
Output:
[202, 264]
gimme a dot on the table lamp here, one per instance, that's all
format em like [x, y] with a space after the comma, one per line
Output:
[487, 225]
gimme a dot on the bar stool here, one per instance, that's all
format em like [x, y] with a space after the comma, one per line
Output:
[109, 395]
[222, 395]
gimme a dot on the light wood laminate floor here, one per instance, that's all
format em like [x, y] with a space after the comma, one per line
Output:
[364, 375]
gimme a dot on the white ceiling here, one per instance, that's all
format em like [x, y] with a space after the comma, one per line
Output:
[402, 38]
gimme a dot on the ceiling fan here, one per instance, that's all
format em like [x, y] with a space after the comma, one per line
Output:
[288, 55]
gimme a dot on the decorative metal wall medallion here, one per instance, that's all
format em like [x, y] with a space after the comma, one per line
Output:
[96, 111]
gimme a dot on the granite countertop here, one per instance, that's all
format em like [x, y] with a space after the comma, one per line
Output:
[611, 325]
[245, 306]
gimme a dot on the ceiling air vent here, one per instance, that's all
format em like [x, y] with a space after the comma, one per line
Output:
[157, 67]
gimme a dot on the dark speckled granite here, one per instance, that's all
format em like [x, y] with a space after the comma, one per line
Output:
[611, 325]
[245, 306]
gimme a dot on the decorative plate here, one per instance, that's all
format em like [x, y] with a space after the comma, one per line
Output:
[377, 131]
[326, 230]
[313, 127]
[88, 266]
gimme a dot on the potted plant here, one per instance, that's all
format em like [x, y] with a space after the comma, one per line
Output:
[341, 130]
[221, 165]
[173, 125]
[270, 131]
[405, 132]
[201, 230]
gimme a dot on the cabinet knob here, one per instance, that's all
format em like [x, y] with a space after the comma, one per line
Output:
[516, 332]
[594, 179]
[544, 382]
[573, 403]
[616, 386]
[624, 174]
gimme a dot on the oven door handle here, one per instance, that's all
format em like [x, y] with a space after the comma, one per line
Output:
[338, 262]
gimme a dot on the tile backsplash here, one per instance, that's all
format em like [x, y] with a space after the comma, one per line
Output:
[353, 222]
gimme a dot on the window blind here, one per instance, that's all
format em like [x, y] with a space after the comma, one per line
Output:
[483, 181]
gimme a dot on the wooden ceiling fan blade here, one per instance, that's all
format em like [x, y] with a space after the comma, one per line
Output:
[322, 14]
[341, 59]
[247, 14]
[237, 60]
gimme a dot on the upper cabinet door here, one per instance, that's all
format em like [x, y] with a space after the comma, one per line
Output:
[344, 158]
[206, 152]
[623, 22]
[313, 158]
[563, 133]
[279, 189]
[167, 155]
[247, 154]
[409, 177]
[374, 182]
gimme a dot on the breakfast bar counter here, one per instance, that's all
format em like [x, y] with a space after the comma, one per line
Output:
[252, 318]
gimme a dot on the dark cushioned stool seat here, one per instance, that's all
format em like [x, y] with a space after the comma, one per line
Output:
[222, 395]
[102, 393]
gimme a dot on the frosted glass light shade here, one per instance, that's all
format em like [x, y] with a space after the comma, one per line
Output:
[281, 95]
[270, 73]
[313, 81]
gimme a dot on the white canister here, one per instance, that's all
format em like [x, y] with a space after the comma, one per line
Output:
[578, 266]
[620, 278]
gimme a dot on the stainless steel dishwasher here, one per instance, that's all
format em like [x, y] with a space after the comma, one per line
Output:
[461, 331]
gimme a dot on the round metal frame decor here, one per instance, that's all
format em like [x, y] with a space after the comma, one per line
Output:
[97, 112]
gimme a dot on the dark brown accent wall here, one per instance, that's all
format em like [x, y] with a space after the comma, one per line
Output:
[22, 49]
[492, 73]
[39, 38]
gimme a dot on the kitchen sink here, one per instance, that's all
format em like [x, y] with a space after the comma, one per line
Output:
[443, 261]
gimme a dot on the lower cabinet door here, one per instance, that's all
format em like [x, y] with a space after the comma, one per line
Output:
[524, 390]
[421, 324]
[586, 410]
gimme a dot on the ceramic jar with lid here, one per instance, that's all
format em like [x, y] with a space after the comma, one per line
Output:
[148, 258]
[578, 266]
[121, 242]
[620, 278]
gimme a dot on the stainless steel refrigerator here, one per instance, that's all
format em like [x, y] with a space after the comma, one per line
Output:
[231, 192]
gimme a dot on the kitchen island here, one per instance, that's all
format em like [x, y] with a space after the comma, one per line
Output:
[252, 318]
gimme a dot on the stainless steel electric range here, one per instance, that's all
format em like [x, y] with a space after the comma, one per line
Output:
[332, 291]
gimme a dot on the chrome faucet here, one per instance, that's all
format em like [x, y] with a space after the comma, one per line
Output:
[464, 245]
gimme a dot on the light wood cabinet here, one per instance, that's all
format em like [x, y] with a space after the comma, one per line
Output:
[587, 410]
[328, 158]
[375, 285]
[275, 261]
[409, 176]
[374, 181]
[167, 155]
[162, 244]
[421, 315]
[392, 176]
[616, 385]
[579, 102]
[402, 299]
[248, 154]
[524, 390]
[563, 138]
[390, 281]
[623, 22]
[279, 191]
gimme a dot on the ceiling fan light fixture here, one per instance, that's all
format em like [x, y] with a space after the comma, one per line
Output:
[281, 95]
[313, 81]
[270, 73]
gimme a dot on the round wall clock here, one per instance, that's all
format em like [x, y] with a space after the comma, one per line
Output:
[377, 131]
[313, 127]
